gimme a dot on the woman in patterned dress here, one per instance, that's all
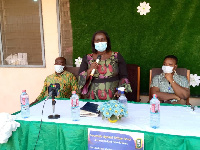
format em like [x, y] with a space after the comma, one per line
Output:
[110, 73]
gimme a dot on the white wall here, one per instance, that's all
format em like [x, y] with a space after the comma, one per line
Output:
[14, 80]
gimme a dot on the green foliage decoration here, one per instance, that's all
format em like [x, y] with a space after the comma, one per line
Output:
[171, 27]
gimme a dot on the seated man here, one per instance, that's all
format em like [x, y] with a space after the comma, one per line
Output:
[169, 86]
[67, 81]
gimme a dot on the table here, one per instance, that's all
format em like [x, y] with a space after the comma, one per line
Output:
[179, 129]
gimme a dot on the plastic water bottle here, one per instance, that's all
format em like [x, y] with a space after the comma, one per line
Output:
[24, 99]
[122, 99]
[154, 112]
[75, 109]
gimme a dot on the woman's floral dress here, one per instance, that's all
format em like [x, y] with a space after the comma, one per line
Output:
[110, 74]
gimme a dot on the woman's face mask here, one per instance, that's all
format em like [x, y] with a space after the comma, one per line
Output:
[59, 68]
[101, 46]
[167, 69]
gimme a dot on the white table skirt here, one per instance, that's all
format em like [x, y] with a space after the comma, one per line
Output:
[174, 120]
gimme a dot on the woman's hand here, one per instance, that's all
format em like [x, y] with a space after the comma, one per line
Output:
[117, 94]
[169, 77]
[177, 98]
[94, 65]
[180, 92]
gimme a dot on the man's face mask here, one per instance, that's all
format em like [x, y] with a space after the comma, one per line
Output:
[167, 69]
[101, 46]
[59, 68]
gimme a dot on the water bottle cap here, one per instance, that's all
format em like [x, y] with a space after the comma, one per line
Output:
[122, 92]
[121, 88]
[73, 92]
[23, 91]
[154, 96]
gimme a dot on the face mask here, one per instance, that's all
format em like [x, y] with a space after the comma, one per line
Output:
[167, 69]
[101, 46]
[59, 68]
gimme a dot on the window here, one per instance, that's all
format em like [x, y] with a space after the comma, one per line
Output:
[21, 43]
[65, 29]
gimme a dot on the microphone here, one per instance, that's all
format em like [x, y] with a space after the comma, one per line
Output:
[53, 91]
[97, 61]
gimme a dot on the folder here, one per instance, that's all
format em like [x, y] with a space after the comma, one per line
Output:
[89, 110]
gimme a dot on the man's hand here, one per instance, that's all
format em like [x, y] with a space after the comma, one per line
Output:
[34, 102]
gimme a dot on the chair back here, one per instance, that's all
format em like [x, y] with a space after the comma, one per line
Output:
[134, 79]
[180, 71]
[73, 70]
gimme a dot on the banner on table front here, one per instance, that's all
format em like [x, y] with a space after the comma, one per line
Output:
[100, 139]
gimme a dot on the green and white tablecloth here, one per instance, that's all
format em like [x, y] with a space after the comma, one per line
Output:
[179, 130]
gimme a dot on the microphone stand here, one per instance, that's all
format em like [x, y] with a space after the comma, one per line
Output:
[53, 116]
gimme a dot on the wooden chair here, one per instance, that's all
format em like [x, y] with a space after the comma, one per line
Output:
[134, 78]
[180, 71]
[73, 70]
